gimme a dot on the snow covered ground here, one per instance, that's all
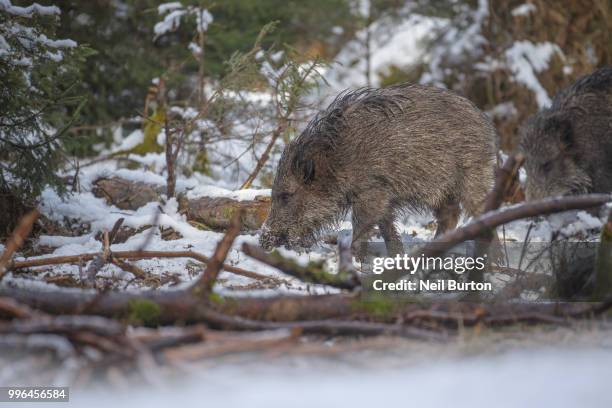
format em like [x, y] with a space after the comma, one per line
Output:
[556, 368]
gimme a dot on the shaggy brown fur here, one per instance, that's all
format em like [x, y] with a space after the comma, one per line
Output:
[379, 152]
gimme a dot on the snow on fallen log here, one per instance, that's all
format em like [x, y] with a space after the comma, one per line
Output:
[205, 212]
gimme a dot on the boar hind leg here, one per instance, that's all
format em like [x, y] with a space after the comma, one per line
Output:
[447, 216]
[392, 238]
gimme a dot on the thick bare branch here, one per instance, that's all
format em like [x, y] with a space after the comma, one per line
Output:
[493, 219]
[312, 273]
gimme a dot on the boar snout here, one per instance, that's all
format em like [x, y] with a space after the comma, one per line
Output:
[271, 238]
[266, 239]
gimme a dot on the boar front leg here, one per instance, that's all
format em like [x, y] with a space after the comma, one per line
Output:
[363, 221]
[366, 214]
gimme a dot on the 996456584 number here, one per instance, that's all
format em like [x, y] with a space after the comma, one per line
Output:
[34, 394]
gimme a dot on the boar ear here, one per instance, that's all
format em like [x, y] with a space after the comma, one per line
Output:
[562, 128]
[308, 172]
[310, 165]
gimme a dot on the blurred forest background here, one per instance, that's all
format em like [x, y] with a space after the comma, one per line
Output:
[228, 83]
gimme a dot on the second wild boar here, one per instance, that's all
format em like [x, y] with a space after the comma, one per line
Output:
[568, 147]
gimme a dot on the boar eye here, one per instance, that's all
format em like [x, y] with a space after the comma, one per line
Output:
[284, 196]
[547, 167]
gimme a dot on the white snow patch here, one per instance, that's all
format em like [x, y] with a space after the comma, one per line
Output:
[526, 59]
[166, 7]
[240, 195]
[129, 142]
[28, 11]
[523, 10]
[398, 47]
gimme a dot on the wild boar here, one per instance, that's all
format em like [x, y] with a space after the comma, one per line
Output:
[568, 147]
[379, 152]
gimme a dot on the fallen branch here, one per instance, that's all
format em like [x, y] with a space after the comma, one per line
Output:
[489, 318]
[132, 255]
[493, 219]
[112, 236]
[58, 344]
[216, 212]
[222, 342]
[312, 273]
[325, 314]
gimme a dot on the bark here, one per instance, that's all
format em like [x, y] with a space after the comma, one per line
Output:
[216, 213]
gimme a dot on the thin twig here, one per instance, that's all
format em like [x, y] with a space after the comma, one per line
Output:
[17, 239]
[115, 230]
[206, 282]
[283, 124]
[128, 267]
[98, 261]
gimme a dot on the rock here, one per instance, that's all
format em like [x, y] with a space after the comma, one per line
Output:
[126, 194]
